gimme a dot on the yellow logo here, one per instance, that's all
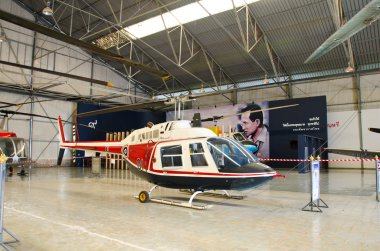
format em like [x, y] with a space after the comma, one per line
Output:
[3, 158]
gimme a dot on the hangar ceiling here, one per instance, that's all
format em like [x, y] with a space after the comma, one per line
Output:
[235, 48]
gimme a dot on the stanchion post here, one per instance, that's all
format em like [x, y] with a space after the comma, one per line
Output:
[3, 160]
[377, 178]
[315, 198]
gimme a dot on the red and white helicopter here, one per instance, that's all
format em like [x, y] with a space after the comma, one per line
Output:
[12, 146]
[175, 155]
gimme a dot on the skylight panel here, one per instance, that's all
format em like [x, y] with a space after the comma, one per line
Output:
[215, 7]
[182, 15]
[188, 13]
[146, 27]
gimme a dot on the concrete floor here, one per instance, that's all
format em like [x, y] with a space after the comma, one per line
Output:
[64, 209]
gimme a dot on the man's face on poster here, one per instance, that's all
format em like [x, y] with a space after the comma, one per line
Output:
[249, 127]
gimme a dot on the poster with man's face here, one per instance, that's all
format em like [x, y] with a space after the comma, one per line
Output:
[250, 119]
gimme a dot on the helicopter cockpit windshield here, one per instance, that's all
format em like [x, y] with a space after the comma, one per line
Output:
[229, 153]
[13, 147]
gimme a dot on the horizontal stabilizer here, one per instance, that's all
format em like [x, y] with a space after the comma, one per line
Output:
[364, 154]
[376, 130]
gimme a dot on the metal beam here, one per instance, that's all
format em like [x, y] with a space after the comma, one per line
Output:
[61, 74]
[229, 34]
[86, 46]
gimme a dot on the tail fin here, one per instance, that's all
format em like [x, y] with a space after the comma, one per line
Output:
[61, 132]
[62, 139]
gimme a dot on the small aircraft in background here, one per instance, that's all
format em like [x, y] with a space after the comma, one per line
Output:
[13, 147]
[364, 154]
[364, 18]
[176, 155]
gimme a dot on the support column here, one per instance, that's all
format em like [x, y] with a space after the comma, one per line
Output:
[356, 81]
[234, 97]
[31, 103]
[290, 89]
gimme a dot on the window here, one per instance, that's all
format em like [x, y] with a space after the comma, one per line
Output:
[149, 135]
[197, 155]
[7, 147]
[238, 136]
[171, 156]
[155, 134]
[229, 154]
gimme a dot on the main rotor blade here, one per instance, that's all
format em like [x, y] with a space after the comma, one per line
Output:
[6, 104]
[86, 46]
[6, 112]
[215, 118]
[376, 130]
[124, 108]
[26, 114]
[91, 80]
[369, 14]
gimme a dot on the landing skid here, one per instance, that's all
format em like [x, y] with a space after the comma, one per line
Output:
[225, 194]
[144, 197]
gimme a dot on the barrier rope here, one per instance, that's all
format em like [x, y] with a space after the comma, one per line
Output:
[322, 160]
[260, 159]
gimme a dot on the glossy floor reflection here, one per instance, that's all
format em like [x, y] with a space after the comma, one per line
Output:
[70, 209]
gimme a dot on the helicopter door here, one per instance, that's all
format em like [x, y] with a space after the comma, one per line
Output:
[7, 147]
[197, 155]
[13, 148]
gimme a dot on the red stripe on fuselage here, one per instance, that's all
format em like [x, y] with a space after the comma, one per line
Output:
[7, 135]
[107, 149]
[141, 154]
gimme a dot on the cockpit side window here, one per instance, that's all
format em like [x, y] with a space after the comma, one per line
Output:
[20, 147]
[171, 156]
[197, 155]
[7, 147]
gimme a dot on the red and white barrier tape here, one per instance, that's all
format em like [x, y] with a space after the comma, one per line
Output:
[261, 159]
[322, 160]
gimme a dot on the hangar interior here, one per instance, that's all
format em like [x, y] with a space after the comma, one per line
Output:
[57, 56]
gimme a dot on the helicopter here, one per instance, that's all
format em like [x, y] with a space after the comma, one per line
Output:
[175, 155]
[13, 147]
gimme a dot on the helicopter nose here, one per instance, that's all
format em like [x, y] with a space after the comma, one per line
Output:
[260, 168]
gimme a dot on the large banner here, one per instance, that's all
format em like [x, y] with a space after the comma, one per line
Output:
[95, 127]
[274, 131]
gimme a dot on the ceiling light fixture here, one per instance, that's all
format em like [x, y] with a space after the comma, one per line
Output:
[349, 68]
[47, 11]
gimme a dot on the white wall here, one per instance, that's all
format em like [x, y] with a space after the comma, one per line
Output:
[53, 55]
